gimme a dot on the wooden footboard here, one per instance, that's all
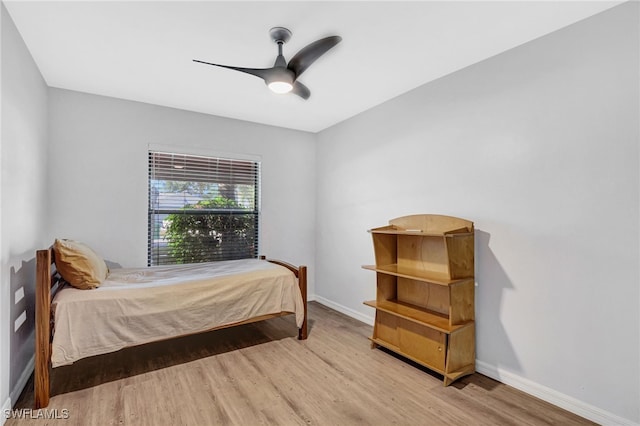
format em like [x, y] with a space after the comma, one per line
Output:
[301, 274]
[49, 282]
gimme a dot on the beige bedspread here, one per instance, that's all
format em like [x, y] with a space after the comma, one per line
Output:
[141, 305]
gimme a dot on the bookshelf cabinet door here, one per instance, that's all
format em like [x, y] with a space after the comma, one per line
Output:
[423, 343]
[386, 328]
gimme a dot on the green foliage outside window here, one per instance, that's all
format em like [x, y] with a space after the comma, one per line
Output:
[207, 236]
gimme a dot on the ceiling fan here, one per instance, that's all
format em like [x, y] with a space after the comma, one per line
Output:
[283, 76]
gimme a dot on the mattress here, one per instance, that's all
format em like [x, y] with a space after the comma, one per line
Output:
[141, 305]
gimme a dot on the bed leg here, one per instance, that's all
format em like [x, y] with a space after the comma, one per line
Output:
[43, 330]
[302, 281]
[41, 386]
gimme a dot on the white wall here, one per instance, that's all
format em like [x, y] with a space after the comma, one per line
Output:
[539, 147]
[99, 181]
[23, 199]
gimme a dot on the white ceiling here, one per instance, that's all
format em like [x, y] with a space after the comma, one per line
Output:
[143, 51]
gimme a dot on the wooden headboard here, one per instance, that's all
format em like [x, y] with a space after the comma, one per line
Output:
[45, 273]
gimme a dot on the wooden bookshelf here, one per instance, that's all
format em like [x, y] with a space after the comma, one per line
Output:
[425, 292]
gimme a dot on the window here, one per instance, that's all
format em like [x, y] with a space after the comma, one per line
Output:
[202, 209]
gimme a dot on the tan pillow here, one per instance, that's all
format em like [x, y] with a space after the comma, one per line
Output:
[79, 265]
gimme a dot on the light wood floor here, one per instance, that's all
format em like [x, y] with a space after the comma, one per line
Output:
[260, 374]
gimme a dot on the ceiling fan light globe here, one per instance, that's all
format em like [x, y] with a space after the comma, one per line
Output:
[280, 87]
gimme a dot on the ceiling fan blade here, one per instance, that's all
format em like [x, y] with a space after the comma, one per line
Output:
[308, 55]
[263, 73]
[301, 90]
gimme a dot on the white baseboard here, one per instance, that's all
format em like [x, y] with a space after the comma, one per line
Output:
[343, 309]
[6, 407]
[22, 381]
[17, 390]
[554, 397]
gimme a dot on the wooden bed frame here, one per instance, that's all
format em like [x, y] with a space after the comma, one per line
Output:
[49, 282]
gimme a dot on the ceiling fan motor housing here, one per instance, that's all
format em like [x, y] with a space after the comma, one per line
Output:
[280, 35]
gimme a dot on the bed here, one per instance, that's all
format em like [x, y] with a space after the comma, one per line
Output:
[134, 306]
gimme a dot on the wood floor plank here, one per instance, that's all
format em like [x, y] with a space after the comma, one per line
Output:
[260, 374]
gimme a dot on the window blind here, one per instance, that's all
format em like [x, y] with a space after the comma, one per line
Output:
[202, 209]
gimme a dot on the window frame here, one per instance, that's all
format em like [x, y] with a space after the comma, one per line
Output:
[153, 211]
